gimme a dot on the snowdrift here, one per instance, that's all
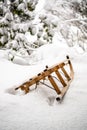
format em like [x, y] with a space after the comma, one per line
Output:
[37, 110]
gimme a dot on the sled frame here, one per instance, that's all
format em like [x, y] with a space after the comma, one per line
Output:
[47, 74]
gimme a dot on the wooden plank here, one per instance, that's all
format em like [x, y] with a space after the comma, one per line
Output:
[65, 73]
[71, 69]
[60, 78]
[54, 84]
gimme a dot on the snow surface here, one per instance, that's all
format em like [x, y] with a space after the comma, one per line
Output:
[38, 110]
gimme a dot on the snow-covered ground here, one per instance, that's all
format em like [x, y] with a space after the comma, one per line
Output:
[38, 110]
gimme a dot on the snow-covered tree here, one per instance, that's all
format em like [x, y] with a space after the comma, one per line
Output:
[17, 22]
[16, 18]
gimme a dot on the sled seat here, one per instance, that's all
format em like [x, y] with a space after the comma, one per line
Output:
[61, 75]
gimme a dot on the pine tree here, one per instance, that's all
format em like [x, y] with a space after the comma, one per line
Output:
[16, 18]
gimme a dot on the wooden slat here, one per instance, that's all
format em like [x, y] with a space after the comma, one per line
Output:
[71, 70]
[54, 84]
[65, 73]
[60, 78]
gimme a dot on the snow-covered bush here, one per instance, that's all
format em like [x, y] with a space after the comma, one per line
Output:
[71, 22]
[24, 24]
[1, 8]
[80, 7]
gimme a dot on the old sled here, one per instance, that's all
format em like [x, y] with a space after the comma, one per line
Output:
[63, 72]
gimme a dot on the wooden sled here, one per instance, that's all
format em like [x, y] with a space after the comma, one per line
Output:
[61, 74]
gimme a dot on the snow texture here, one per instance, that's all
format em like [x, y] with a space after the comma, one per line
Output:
[39, 109]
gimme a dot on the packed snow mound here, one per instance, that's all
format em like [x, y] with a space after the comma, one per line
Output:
[49, 51]
[44, 54]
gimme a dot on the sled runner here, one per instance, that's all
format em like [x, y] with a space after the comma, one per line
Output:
[61, 75]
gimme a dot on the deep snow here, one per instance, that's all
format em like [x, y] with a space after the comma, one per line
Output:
[38, 110]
